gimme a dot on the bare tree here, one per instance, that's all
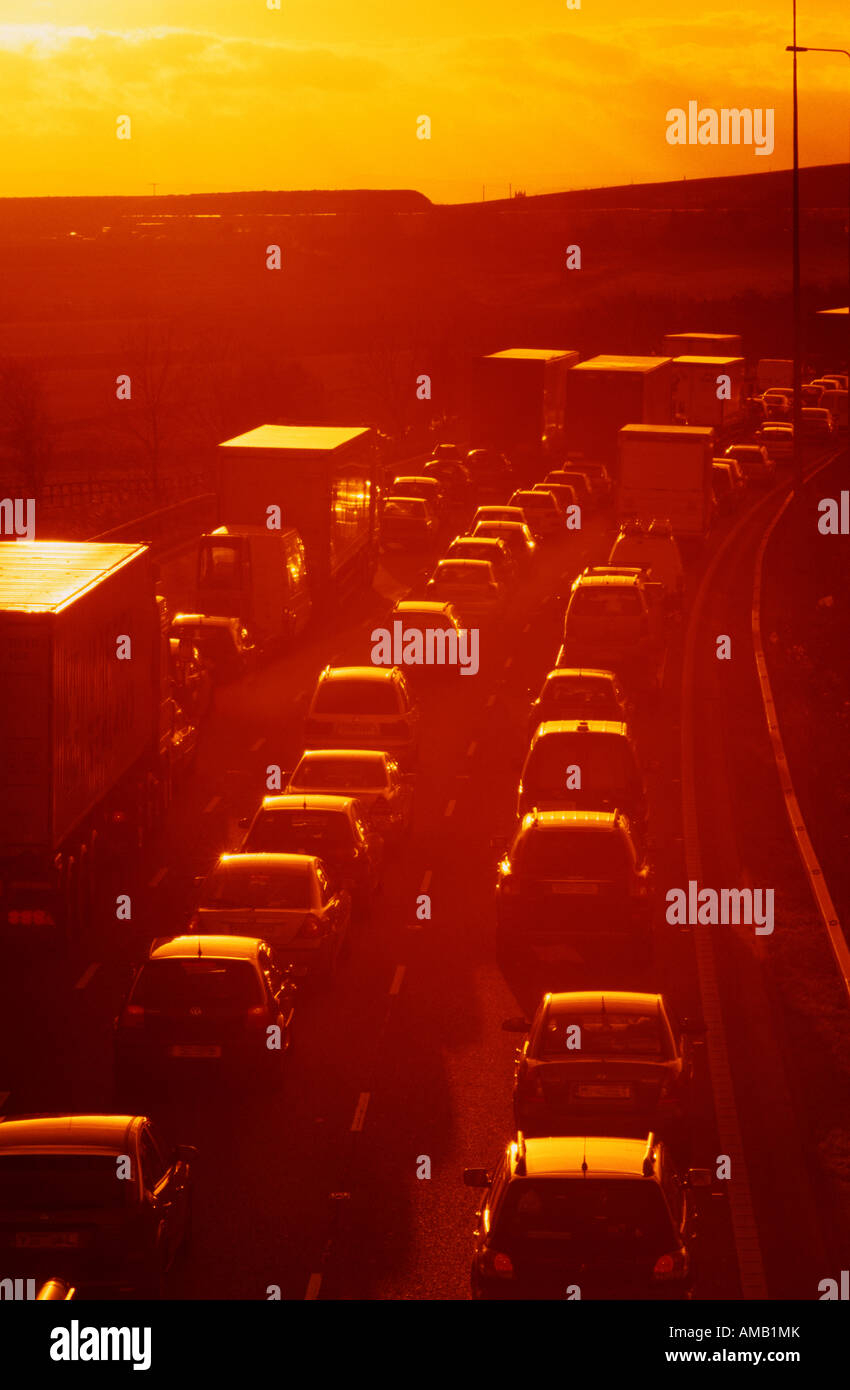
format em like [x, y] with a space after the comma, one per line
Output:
[26, 428]
[151, 414]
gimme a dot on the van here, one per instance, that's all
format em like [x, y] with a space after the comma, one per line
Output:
[257, 575]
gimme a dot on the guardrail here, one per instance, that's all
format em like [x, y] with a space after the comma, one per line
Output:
[96, 491]
[191, 516]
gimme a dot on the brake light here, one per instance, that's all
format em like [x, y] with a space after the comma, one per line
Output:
[133, 1016]
[671, 1266]
[498, 1263]
[312, 927]
[29, 917]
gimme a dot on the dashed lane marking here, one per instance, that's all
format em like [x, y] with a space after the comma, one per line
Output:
[158, 877]
[211, 804]
[470, 752]
[397, 979]
[87, 975]
[449, 811]
[314, 1283]
[426, 880]
[255, 747]
[360, 1113]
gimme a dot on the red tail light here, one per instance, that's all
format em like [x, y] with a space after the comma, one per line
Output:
[671, 1266]
[133, 1016]
[312, 927]
[35, 917]
[495, 1262]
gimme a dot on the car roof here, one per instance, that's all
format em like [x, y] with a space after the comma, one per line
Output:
[269, 861]
[615, 1001]
[475, 565]
[215, 946]
[564, 1157]
[571, 820]
[381, 674]
[67, 1132]
[474, 540]
[607, 581]
[355, 755]
[203, 620]
[581, 673]
[412, 478]
[550, 727]
[307, 801]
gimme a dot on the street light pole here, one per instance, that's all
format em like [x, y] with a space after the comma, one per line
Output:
[797, 377]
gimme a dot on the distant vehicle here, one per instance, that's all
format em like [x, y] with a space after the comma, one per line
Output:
[654, 549]
[291, 899]
[835, 401]
[225, 645]
[665, 471]
[515, 534]
[491, 549]
[332, 828]
[491, 473]
[542, 512]
[582, 485]
[374, 778]
[448, 453]
[724, 488]
[208, 999]
[634, 1067]
[575, 878]
[773, 371]
[571, 692]
[610, 1213]
[738, 477]
[431, 489]
[492, 513]
[606, 392]
[777, 439]
[426, 616]
[778, 404]
[816, 423]
[600, 478]
[407, 522]
[63, 1205]
[453, 477]
[604, 753]
[258, 576]
[563, 494]
[517, 399]
[361, 707]
[754, 461]
[471, 586]
[810, 394]
[612, 621]
[190, 677]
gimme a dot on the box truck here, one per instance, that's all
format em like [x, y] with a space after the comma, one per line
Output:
[697, 386]
[90, 735]
[258, 576]
[774, 371]
[517, 400]
[702, 345]
[605, 393]
[318, 480]
[666, 472]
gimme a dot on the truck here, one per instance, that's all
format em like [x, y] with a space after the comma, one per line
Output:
[774, 371]
[318, 480]
[696, 383]
[517, 400]
[702, 344]
[91, 736]
[258, 576]
[665, 472]
[606, 392]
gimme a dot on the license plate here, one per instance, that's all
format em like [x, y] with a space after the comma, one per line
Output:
[354, 730]
[603, 1090]
[579, 888]
[47, 1240]
[195, 1050]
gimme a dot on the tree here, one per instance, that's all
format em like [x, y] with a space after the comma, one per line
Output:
[26, 428]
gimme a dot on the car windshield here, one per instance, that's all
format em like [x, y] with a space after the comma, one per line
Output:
[438, 622]
[197, 982]
[357, 774]
[233, 888]
[608, 1034]
[298, 832]
[60, 1182]
[604, 759]
[461, 573]
[567, 854]
[356, 697]
[587, 1212]
[598, 697]
[604, 601]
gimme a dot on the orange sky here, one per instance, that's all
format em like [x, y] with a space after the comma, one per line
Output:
[227, 94]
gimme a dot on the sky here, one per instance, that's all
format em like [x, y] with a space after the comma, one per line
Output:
[528, 94]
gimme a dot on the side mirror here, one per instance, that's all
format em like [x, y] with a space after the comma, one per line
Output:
[243, 822]
[515, 1025]
[699, 1178]
[185, 1153]
[476, 1177]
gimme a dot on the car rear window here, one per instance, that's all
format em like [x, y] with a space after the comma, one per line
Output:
[179, 985]
[597, 696]
[604, 601]
[590, 1212]
[356, 697]
[582, 854]
[405, 506]
[604, 759]
[359, 775]
[60, 1182]
[460, 573]
[608, 1034]
[231, 889]
[298, 832]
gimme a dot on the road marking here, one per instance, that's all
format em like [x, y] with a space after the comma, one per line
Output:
[211, 805]
[4, 1096]
[397, 979]
[527, 627]
[255, 747]
[470, 752]
[426, 881]
[87, 975]
[449, 811]
[360, 1113]
[509, 662]
[158, 877]
[491, 700]
[314, 1283]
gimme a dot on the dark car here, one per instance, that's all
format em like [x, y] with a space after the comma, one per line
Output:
[583, 764]
[381, 788]
[225, 645]
[575, 692]
[100, 1202]
[492, 474]
[205, 999]
[453, 477]
[610, 1060]
[335, 828]
[587, 1217]
[190, 677]
[407, 522]
[485, 548]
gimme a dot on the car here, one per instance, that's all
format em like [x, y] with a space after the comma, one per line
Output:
[723, 487]
[491, 472]
[816, 423]
[407, 522]
[373, 777]
[563, 494]
[491, 549]
[516, 536]
[430, 489]
[574, 692]
[333, 828]
[586, 1215]
[191, 680]
[225, 644]
[776, 438]
[612, 622]
[430, 617]
[754, 461]
[583, 764]
[574, 878]
[655, 550]
[810, 394]
[603, 483]
[581, 484]
[453, 477]
[778, 402]
[364, 707]
[835, 401]
[542, 512]
[609, 1057]
[472, 585]
[205, 1000]
[493, 513]
[100, 1201]
[447, 453]
[303, 912]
